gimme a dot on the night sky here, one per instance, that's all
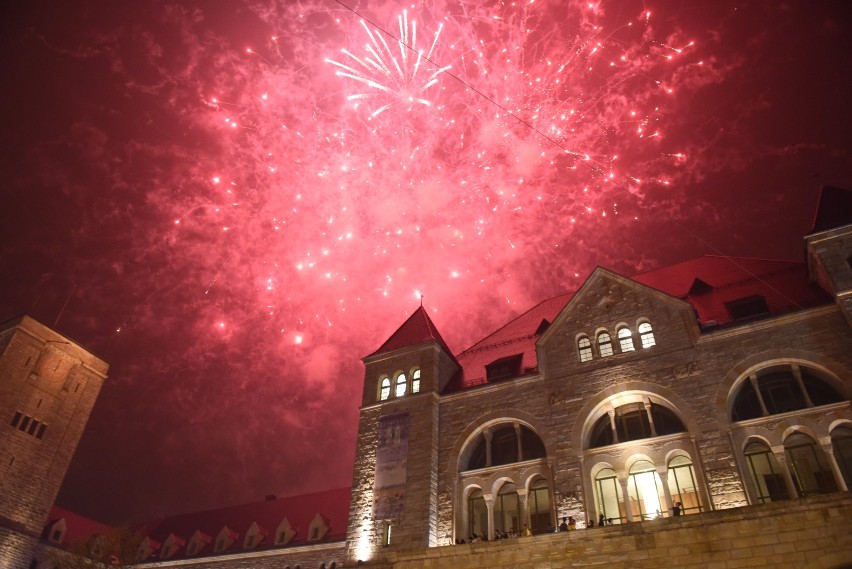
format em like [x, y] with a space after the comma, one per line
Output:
[196, 194]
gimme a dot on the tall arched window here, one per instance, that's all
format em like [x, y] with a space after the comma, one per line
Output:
[415, 381]
[539, 507]
[808, 466]
[646, 335]
[682, 485]
[477, 515]
[401, 385]
[604, 345]
[584, 349]
[625, 339]
[608, 495]
[841, 442]
[384, 390]
[645, 491]
[507, 510]
[765, 473]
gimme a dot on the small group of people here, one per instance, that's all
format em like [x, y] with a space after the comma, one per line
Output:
[498, 535]
[568, 524]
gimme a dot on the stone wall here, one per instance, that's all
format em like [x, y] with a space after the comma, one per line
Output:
[811, 533]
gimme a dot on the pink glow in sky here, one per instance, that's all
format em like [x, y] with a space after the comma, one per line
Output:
[228, 207]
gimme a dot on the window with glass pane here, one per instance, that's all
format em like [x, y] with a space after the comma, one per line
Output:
[820, 392]
[841, 442]
[601, 433]
[746, 404]
[631, 422]
[507, 509]
[401, 385]
[608, 496]
[415, 381]
[477, 515]
[604, 345]
[765, 473]
[808, 466]
[646, 335]
[584, 347]
[385, 390]
[539, 507]
[504, 446]
[625, 339]
[780, 392]
[682, 486]
[645, 491]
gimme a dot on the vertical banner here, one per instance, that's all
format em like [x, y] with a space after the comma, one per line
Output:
[391, 467]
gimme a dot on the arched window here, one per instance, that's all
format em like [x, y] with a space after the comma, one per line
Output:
[415, 381]
[401, 385]
[625, 339]
[608, 494]
[507, 509]
[633, 421]
[841, 442]
[808, 466]
[682, 486]
[646, 335]
[781, 390]
[504, 447]
[384, 390]
[765, 473]
[604, 345]
[645, 491]
[538, 502]
[477, 515]
[584, 349]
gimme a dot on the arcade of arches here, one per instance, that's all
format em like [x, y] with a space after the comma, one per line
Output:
[640, 461]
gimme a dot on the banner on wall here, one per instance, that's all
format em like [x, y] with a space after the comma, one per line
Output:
[391, 467]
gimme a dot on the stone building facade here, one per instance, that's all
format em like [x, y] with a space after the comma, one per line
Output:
[714, 384]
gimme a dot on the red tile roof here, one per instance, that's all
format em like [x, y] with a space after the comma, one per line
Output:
[332, 505]
[417, 329]
[78, 528]
[707, 283]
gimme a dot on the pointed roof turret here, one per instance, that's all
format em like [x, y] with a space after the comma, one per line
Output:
[418, 329]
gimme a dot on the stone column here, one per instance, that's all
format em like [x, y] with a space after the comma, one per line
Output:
[611, 413]
[797, 373]
[523, 504]
[520, 443]
[628, 507]
[752, 377]
[489, 504]
[488, 435]
[647, 404]
[781, 457]
[825, 443]
[663, 471]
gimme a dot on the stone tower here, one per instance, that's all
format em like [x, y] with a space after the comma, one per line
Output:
[48, 386]
[394, 490]
[829, 246]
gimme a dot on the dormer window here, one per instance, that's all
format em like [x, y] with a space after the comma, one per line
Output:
[604, 344]
[646, 335]
[746, 308]
[625, 339]
[584, 349]
[415, 381]
[401, 385]
[384, 389]
[504, 368]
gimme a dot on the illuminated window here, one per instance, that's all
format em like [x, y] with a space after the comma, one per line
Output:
[610, 501]
[604, 345]
[477, 515]
[401, 385]
[507, 509]
[384, 391]
[632, 422]
[415, 381]
[538, 502]
[386, 535]
[646, 335]
[625, 339]
[584, 348]
[682, 485]
[645, 491]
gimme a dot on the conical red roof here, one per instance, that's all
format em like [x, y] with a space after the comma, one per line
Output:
[418, 329]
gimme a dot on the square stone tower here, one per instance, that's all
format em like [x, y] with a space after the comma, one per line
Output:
[48, 386]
